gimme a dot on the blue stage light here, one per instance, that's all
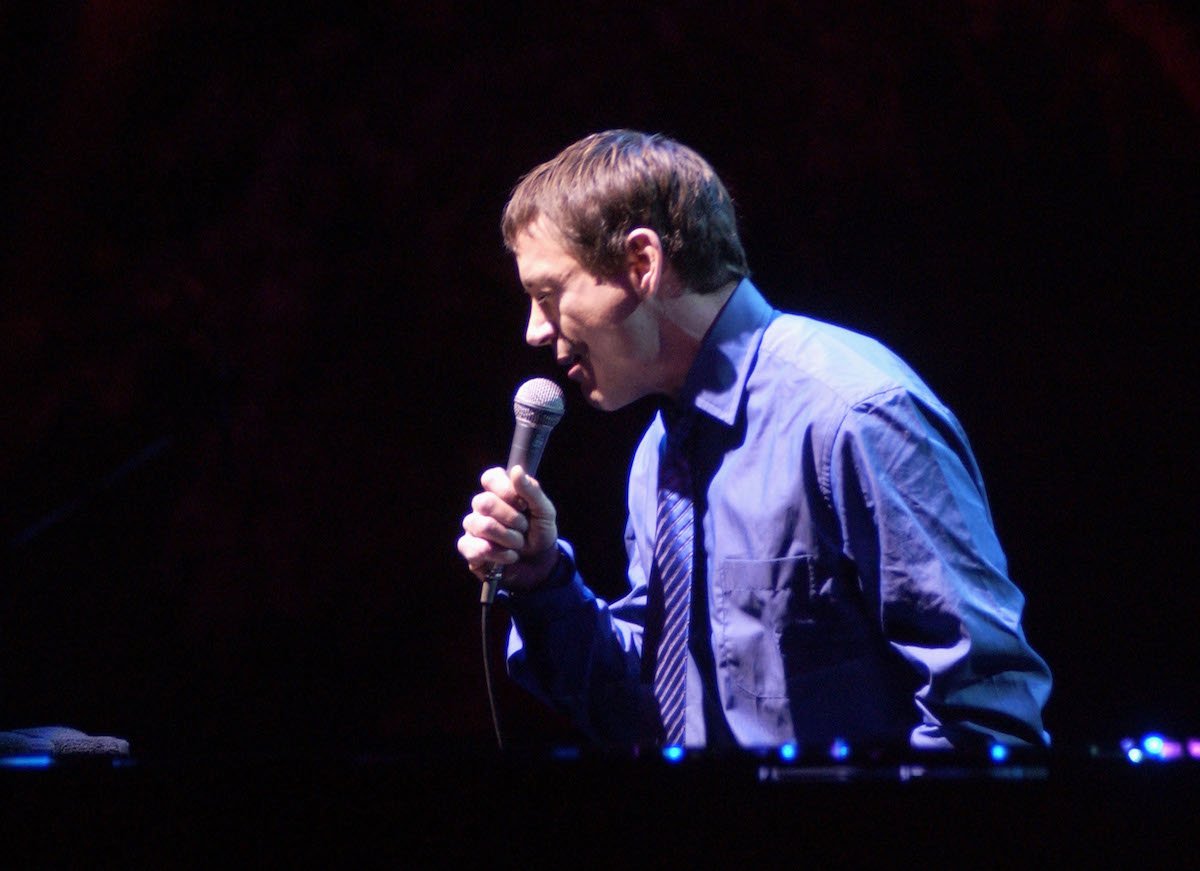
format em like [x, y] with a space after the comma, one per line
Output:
[787, 752]
[999, 752]
[673, 753]
[839, 749]
[1154, 745]
[24, 761]
[1135, 755]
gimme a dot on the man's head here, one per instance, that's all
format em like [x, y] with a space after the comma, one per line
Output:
[624, 244]
[602, 187]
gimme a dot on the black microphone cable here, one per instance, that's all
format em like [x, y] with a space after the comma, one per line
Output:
[484, 614]
[538, 407]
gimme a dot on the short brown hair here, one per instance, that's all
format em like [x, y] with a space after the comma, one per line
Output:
[603, 186]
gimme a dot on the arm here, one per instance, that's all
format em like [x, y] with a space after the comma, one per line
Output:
[567, 647]
[582, 656]
[915, 521]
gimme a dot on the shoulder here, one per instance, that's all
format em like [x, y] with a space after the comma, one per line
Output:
[833, 365]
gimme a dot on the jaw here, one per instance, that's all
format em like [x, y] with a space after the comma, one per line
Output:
[613, 393]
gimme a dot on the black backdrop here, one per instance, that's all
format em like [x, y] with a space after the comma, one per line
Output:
[259, 334]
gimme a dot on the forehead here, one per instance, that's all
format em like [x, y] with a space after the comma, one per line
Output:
[542, 255]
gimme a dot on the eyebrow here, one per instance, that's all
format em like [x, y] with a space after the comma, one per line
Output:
[538, 282]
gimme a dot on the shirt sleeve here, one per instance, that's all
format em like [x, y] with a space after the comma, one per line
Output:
[582, 656]
[915, 521]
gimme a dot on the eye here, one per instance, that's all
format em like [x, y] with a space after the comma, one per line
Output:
[543, 295]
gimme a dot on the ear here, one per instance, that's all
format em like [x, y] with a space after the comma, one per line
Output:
[645, 264]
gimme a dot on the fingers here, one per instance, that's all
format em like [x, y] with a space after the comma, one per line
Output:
[511, 522]
[481, 525]
[480, 554]
[497, 481]
[486, 539]
[494, 531]
[490, 506]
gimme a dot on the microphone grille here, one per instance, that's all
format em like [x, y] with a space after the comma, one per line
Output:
[539, 402]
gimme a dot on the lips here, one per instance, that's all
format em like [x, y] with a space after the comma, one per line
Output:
[574, 366]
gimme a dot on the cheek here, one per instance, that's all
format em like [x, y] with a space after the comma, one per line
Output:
[610, 334]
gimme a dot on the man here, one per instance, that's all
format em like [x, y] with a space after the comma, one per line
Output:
[811, 554]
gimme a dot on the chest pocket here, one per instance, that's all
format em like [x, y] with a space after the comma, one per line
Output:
[783, 620]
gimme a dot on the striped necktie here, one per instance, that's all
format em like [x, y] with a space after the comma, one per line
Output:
[673, 553]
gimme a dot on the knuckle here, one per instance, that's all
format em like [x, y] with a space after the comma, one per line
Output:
[467, 548]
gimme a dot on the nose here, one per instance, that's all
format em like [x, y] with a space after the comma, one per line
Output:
[539, 330]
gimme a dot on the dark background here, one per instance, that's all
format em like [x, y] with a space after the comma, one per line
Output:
[259, 333]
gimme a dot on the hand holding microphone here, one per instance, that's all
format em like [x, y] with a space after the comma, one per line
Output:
[511, 531]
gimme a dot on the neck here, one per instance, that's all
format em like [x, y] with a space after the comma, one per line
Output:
[684, 320]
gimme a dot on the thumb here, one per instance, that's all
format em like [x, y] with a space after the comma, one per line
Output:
[530, 491]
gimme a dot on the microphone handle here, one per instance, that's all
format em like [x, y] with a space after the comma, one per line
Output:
[528, 443]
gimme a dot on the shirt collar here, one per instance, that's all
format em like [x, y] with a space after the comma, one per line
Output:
[717, 379]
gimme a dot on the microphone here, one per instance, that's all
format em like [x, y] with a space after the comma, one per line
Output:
[537, 407]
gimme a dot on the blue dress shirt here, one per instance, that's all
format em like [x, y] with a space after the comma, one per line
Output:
[849, 582]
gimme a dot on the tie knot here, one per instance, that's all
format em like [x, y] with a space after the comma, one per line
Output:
[678, 423]
[674, 474]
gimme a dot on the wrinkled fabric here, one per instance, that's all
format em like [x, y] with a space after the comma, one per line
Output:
[851, 583]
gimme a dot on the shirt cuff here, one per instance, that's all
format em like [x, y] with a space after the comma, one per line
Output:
[563, 591]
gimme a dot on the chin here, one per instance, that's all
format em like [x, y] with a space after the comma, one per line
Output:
[607, 402]
[595, 397]
[598, 400]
